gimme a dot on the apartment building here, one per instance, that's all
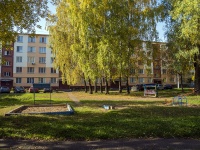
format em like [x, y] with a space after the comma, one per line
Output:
[33, 61]
[30, 60]
[6, 67]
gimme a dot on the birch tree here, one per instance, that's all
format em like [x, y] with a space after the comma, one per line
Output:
[182, 17]
[17, 16]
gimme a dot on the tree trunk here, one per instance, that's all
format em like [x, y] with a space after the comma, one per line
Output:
[127, 86]
[197, 72]
[101, 87]
[95, 86]
[106, 86]
[90, 87]
[85, 86]
[120, 84]
[181, 75]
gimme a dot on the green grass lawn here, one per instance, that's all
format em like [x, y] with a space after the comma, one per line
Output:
[131, 118]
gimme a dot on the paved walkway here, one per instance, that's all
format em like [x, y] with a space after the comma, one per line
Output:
[72, 97]
[130, 144]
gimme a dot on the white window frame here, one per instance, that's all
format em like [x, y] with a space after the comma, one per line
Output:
[31, 39]
[7, 63]
[18, 59]
[42, 70]
[141, 71]
[42, 60]
[43, 40]
[31, 59]
[52, 60]
[19, 49]
[42, 50]
[31, 49]
[172, 79]
[132, 80]
[53, 70]
[20, 39]
[18, 80]
[18, 69]
[141, 80]
[41, 80]
[30, 80]
[53, 80]
[7, 74]
[7, 53]
[30, 70]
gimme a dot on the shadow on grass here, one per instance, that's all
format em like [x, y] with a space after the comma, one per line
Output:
[121, 103]
[12, 99]
[166, 93]
[133, 122]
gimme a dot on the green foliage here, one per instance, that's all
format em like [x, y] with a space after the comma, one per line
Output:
[101, 36]
[17, 16]
[182, 19]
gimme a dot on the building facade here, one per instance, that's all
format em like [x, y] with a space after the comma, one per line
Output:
[33, 61]
[30, 60]
[6, 66]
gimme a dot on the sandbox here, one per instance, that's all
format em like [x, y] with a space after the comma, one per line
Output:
[61, 109]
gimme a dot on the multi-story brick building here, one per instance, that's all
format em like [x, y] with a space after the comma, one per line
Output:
[6, 66]
[31, 61]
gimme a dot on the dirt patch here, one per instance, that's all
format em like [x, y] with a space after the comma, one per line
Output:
[39, 109]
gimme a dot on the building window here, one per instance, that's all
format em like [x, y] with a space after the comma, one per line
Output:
[132, 71]
[141, 71]
[149, 80]
[53, 80]
[31, 49]
[53, 70]
[42, 50]
[7, 53]
[42, 60]
[20, 39]
[18, 80]
[52, 59]
[132, 80]
[19, 59]
[7, 63]
[18, 69]
[164, 71]
[30, 80]
[19, 49]
[141, 80]
[31, 59]
[43, 40]
[31, 39]
[171, 79]
[42, 69]
[41, 80]
[7, 74]
[30, 70]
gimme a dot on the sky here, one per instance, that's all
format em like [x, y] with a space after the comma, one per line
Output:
[160, 26]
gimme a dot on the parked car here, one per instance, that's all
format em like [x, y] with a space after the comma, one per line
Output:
[4, 89]
[47, 90]
[19, 89]
[168, 86]
[160, 87]
[33, 90]
[140, 87]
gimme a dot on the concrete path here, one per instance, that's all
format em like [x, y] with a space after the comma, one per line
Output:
[72, 97]
[123, 144]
